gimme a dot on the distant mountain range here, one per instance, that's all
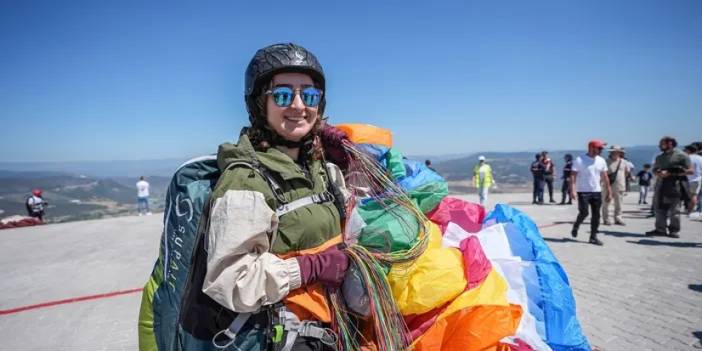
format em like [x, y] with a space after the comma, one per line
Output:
[511, 169]
[72, 197]
[94, 189]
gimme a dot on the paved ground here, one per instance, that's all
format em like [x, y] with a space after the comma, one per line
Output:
[635, 293]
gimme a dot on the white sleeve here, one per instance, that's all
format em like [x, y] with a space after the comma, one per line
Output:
[576, 165]
[241, 274]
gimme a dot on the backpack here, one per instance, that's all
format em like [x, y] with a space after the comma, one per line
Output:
[187, 193]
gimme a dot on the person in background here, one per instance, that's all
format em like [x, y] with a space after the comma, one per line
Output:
[143, 196]
[565, 187]
[36, 205]
[694, 180]
[644, 176]
[537, 171]
[549, 170]
[482, 179]
[588, 176]
[671, 168]
[428, 164]
[618, 171]
[630, 174]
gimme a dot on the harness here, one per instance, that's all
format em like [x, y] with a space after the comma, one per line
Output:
[286, 327]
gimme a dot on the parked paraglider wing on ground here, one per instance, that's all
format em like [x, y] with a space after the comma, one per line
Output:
[442, 271]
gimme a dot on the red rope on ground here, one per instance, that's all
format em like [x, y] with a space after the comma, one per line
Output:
[67, 301]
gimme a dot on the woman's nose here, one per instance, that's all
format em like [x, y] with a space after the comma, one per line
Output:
[297, 103]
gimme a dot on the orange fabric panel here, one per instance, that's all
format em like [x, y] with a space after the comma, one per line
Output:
[309, 303]
[327, 244]
[367, 134]
[477, 328]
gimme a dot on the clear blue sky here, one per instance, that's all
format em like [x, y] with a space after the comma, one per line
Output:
[103, 80]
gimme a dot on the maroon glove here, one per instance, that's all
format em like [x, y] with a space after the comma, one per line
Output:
[332, 139]
[328, 267]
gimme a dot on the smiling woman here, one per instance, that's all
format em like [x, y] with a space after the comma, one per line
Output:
[272, 225]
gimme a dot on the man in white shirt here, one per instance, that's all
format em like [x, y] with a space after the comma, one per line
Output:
[143, 196]
[694, 179]
[588, 176]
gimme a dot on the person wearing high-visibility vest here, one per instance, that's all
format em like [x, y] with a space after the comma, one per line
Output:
[482, 179]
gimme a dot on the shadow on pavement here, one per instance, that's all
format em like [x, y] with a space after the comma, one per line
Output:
[698, 335]
[665, 243]
[695, 287]
[621, 234]
[564, 240]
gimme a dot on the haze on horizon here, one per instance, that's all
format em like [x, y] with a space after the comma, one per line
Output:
[133, 81]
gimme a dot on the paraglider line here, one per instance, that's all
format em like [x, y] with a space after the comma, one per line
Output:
[67, 301]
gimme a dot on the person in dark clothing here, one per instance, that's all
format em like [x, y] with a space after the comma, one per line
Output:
[549, 170]
[565, 187]
[538, 172]
[428, 164]
[644, 177]
[671, 167]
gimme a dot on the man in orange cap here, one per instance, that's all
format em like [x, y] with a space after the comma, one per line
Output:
[587, 177]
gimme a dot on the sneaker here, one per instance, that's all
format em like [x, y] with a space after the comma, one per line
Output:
[619, 222]
[674, 235]
[574, 233]
[595, 241]
[607, 223]
[654, 233]
[552, 201]
[645, 203]
[693, 215]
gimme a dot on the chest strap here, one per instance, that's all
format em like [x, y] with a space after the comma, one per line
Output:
[305, 201]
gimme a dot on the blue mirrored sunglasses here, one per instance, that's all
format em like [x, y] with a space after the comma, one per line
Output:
[283, 96]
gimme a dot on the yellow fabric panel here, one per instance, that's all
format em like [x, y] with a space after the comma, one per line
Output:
[493, 291]
[432, 280]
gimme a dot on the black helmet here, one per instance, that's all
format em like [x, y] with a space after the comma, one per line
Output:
[277, 58]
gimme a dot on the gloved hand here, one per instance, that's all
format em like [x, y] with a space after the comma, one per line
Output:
[332, 139]
[328, 267]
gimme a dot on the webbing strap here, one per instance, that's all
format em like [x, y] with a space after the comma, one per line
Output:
[305, 201]
[231, 331]
[310, 329]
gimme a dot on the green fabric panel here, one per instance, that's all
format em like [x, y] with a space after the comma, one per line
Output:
[428, 196]
[396, 166]
[147, 339]
[388, 228]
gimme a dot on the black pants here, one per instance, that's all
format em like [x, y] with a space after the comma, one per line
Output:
[549, 184]
[538, 190]
[565, 191]
[593, 202]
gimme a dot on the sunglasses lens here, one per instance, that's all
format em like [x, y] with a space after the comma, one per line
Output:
[311, 96]
[283, 96]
